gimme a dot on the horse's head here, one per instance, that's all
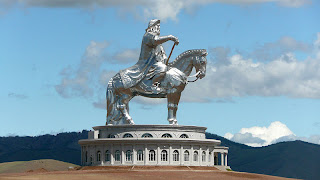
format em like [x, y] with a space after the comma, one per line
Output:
[200, 63]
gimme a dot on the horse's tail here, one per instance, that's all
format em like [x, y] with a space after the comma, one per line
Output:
[112, 103]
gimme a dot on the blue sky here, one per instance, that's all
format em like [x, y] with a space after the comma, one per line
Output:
[262, 84]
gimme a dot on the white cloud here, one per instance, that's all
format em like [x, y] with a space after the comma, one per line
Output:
[248, 139]
[317, 46]
[263, 136]
[284, 45]
[228, 136]
[294, 3]
[235, 76]
[260, 136]
[268, 134]
[80, 82]
[163, 9]
[126, 56]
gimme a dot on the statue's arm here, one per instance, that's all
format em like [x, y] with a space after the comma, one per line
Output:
[162, 39]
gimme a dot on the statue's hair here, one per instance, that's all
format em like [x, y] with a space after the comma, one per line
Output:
[192, 52]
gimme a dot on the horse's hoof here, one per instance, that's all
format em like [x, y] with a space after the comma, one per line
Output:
[130, 121]
[173, 121]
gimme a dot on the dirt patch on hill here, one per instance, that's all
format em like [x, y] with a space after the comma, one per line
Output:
[42, 165]
[41, 170]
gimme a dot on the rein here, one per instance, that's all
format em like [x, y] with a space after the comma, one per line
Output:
[170, 53]
[194, 80]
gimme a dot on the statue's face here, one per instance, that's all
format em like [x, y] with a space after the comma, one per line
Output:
[157, 29]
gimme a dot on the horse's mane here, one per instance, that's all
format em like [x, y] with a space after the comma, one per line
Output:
[188, 53]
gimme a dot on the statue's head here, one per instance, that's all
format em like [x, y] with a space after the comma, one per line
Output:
[154, 26]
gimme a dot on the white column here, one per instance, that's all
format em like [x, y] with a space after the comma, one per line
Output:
[181, 155]
[134, 154]
[158, 154]
[103, 154]
[122, 154]
[146, 160]
[207, 156]
[111, 154]
[200, 155]
[222, 159]
[191, 156]
[226, 158]
[94, 155]
[170, 154]
[212, 156]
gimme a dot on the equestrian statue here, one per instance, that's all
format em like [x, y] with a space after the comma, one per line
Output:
[153, 76]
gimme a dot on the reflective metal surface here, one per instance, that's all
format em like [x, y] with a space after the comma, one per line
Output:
[151, 77]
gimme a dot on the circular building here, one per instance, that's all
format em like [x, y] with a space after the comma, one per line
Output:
[151, 145]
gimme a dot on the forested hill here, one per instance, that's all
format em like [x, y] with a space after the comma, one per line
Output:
[63, 147]
[295, 159]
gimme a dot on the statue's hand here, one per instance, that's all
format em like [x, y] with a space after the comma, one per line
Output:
[175, 40]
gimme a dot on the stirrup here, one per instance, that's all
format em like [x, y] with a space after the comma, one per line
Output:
[155, 89]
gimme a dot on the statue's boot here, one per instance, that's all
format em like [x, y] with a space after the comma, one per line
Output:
[156, 89]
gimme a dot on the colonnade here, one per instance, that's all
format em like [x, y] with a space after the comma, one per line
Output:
[191, 156]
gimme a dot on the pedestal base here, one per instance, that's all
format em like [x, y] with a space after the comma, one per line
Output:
[151, 145]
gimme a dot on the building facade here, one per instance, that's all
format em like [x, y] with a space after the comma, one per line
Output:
[151, 145]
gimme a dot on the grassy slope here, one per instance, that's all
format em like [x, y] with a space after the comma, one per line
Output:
[24, 166]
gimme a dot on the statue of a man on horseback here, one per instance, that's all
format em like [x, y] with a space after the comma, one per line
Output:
[152, 76]
[152, 61]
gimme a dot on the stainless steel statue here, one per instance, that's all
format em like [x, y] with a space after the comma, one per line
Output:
[152, 76]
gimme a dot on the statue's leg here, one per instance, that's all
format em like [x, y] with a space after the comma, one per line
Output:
[124, 108]
[173, 101]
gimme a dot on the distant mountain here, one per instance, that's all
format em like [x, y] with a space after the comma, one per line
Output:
[63, 147]
[295, 159]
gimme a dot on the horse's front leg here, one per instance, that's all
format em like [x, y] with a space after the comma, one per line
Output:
[173, 101]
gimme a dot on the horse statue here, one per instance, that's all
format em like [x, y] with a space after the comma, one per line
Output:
[171, 86]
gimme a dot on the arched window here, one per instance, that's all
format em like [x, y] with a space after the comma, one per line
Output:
[107, 157]
[111, 136]
[175, 155]
[147, 135]
[98, 156]
[186, 155]
[117, 155]
[166, 135]
[140, 155]
[128, 156]
[210, 154]
[184, 136]
[195, 156]
[86, 156]
[152, 155]
[127, 135]
[203, 156]
[164, 155]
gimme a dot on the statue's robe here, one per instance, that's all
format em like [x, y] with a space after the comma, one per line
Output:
[151, 62]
